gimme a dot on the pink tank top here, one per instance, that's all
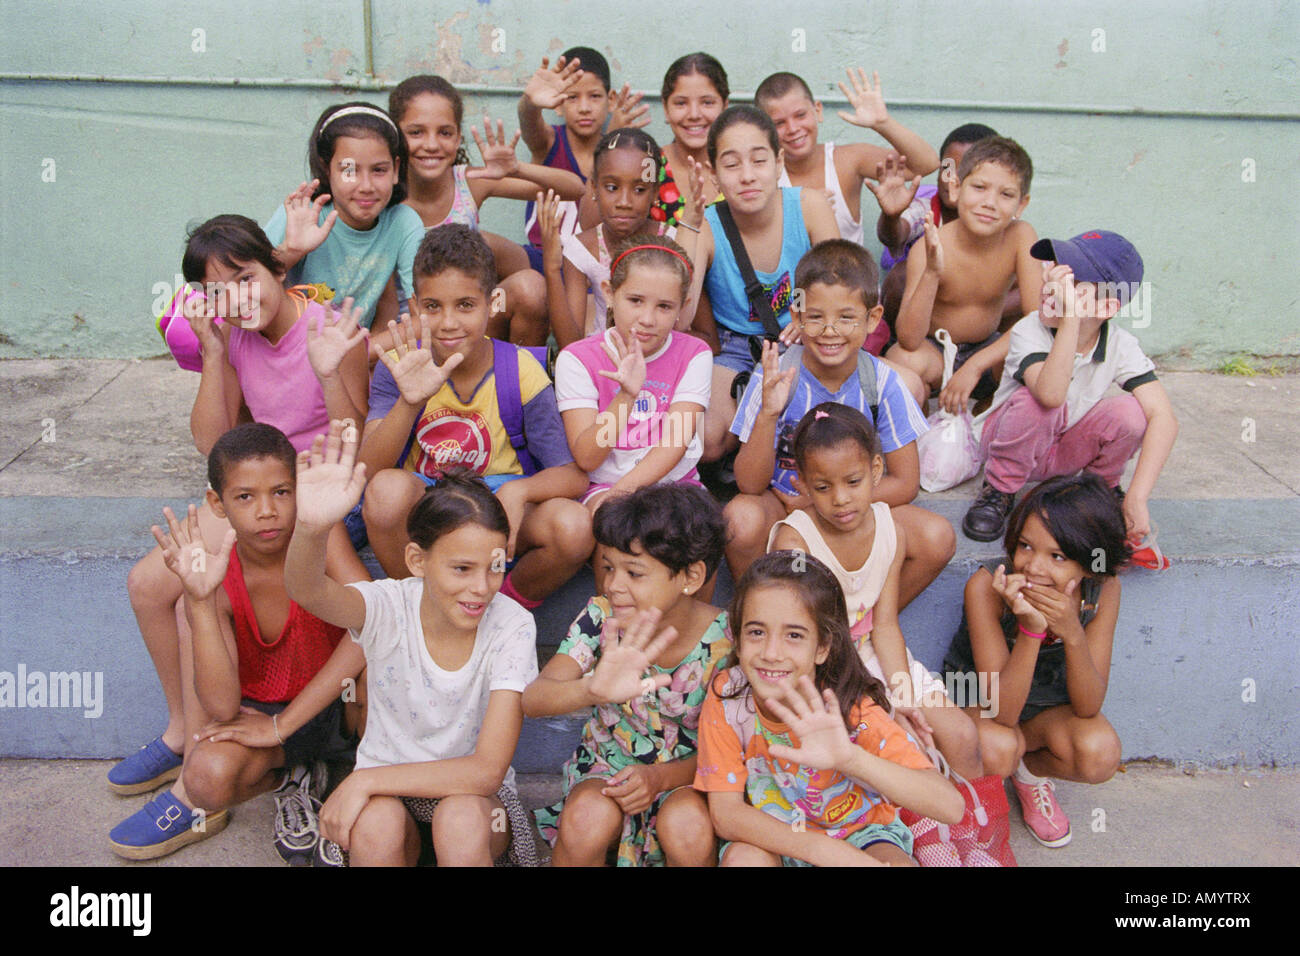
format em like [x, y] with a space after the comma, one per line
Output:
[277, 380]
[464, 211]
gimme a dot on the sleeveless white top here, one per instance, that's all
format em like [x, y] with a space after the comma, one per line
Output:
[861, 587]
[850, 228]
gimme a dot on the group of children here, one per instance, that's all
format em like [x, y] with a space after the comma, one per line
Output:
[374, 373]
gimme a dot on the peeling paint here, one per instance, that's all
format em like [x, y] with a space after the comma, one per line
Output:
[1137, 158]
[1062, 48]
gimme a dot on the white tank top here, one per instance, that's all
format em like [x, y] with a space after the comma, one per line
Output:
[861, 587]
[850, 228]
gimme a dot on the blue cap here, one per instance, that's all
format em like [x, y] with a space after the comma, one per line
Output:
[1095, 256]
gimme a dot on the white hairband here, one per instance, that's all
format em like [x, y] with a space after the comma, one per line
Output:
[367, 110]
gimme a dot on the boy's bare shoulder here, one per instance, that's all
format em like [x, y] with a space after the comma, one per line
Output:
[1022, 234]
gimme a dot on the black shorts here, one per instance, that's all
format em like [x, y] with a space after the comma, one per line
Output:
[321, 738]
[987, 384]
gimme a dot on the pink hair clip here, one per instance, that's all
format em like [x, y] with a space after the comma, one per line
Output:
[818, 416]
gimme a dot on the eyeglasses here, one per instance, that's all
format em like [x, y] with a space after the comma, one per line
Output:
[844, 326]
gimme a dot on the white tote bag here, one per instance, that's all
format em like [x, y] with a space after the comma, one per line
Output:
[949, 451]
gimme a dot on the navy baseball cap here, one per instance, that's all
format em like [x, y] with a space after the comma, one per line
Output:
[1095, 256]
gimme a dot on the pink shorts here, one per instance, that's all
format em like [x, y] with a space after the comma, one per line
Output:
[595, 489]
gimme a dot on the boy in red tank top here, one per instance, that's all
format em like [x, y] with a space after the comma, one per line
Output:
[263, 674]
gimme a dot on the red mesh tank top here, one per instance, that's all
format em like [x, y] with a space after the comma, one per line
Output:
[275, 672]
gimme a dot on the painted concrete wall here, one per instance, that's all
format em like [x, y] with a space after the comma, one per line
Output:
[1173, 122]
[1204, 667]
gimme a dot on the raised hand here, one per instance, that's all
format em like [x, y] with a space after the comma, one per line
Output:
[200, 312]
[1060, 298]
[627, 110]
[618, 676]
[330, 479]
[548, 221]
[701, 177]
[332, 336]
[630, 373]
[892, 189]
[550, 85]
[303, 230]
[866, 98]
[933, 247]
[187, 556]
[815, 719]
[417, 375]
[499, 160]
[776, 384]
[1010, 587]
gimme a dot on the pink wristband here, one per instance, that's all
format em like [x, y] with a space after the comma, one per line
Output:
[1037, 637]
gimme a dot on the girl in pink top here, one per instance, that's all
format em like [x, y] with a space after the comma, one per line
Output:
[294, 364]
[631, 396]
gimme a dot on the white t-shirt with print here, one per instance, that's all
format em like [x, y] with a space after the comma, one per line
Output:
[416, 710]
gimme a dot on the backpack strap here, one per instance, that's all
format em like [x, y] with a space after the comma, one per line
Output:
[866, 376]
[505, 367]
[759, 300]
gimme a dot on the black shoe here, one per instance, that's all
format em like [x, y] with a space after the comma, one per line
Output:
[987, 518]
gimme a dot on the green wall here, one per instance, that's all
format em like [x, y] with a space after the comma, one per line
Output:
[1156, 135]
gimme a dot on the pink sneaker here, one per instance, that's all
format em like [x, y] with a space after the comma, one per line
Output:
[1043, 815]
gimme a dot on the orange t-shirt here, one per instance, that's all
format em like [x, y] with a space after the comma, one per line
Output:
[734, 756]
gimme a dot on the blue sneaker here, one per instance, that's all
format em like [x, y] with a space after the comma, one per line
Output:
[163, 826]
[147, 769]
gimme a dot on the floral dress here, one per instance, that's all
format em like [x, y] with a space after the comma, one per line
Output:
[659, 729]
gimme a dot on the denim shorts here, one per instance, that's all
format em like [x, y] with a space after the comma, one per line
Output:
[740, 353]
[895, 832]
[356, 524]
[321, 738]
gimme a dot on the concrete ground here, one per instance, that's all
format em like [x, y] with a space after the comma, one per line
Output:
[119, 429]
[59, 812]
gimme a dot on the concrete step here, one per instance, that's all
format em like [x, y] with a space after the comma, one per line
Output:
[1204, 667]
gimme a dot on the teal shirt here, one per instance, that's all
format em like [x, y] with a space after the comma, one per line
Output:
[355, 263]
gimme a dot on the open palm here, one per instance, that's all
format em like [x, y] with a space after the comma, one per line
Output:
[815, 720]
[618, 676]
[332, 336]
[893, 191]
[866, 98]
[549, 86]
[417, 375]
[187, 556]
[499, 160]
[630, 372]
[330, 480]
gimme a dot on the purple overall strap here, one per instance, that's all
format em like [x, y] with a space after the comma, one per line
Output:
[510, 405]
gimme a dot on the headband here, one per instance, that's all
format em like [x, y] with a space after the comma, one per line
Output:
[614, 265]
[354, 110]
